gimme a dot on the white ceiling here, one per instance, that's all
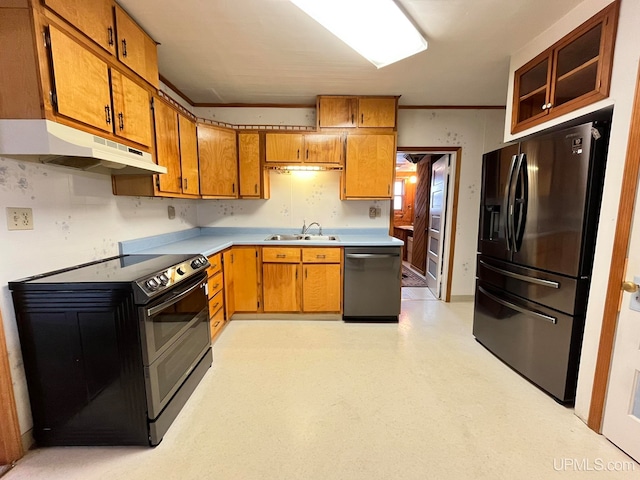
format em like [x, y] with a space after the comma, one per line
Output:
[269, 51]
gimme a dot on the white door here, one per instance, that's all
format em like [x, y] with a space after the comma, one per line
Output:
[436, 225]
[622, 408]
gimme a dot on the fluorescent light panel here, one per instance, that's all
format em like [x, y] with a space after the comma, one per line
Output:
[376, 29]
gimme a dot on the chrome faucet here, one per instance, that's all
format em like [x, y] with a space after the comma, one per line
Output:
[305, 228]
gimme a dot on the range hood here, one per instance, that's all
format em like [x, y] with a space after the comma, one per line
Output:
[48, 142]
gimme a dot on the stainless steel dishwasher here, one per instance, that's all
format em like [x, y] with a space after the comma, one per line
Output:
[372, 282]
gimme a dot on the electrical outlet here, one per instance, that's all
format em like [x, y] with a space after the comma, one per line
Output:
[19, 218]
[372, 212]
[378, 211]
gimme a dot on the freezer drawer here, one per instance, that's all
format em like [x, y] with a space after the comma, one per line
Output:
[372, 282]
[566, 294]
[541, 344]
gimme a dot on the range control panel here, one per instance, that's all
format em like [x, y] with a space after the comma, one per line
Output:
[171, 276]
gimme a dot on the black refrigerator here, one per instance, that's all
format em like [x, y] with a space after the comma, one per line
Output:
[539, 211]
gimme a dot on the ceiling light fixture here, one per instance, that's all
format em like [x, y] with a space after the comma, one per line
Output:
[376, 29]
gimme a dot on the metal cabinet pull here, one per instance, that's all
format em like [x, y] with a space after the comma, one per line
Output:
[520, 309]
[216, 286]
[307, 154]
[124, 47]
[110, 35]
[215, 305]
[362, 119]
[186, 183]
[255, 188]
[524, 278]
[306, 273]
[353, 119]
[321, 256]
[107, 112]
[281, 255]
[216, 324]
[233, 188]
[121, 121]
[298, 154]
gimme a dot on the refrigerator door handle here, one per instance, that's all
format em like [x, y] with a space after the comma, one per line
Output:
[524, 278]
[508, 205]
[522, 181]
[518, 308]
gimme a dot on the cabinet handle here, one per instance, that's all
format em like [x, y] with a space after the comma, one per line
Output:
[306, 272]
[362, 119]
[255, 188]
[121, 121]
[107, 113]
[321, 256]
[298, 154]
[110, 33]
[307, 154]
[353, 119]
[281, 255]
[217, 323]
[215, 286]
[233, 188]
[296, 272]
[124, 47]
[388, 189]
[215, 305]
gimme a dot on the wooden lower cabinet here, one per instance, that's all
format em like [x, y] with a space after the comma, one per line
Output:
[241, 279]
[215, 289]
[307, 280]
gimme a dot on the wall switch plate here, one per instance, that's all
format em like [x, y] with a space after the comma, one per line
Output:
[372, 212]
[19, 218]
[634, 302]
[171, 212]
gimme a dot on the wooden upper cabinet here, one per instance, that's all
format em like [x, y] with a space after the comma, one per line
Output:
[375, 112]
[167, 147]
[254, 181]
[357, 112]
[86, 97]
[304, 148]
[188, 155]
[218, 159]
[284, 147]
[131, 109]
[341, 112]
[136, 49]
[93, 18]
[569, 75]
[369, 166]
[320, 148]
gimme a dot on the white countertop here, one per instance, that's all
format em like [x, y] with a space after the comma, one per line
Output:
[210, 240]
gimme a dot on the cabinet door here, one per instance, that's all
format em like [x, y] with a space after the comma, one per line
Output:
[338, 112]
[281, 287]
[377, 112]
[188, 155]
[284, 147]
[135, 48]
[323, 148]
[245, 273]
[321, 288]
[167, 146]
[532, 83]
[131, 108]
[249, 164]
[218, 160]
[370, 166]
[94, 19]
[86, 97]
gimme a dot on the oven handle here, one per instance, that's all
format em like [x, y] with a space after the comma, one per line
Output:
[175, 299]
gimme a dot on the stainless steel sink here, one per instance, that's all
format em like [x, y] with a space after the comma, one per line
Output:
[306, 237]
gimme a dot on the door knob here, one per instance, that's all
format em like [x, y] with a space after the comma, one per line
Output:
[630, 287]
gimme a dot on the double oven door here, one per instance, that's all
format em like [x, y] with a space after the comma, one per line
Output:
[175, 336]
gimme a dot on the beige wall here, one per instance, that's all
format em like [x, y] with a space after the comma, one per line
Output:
[625, 67]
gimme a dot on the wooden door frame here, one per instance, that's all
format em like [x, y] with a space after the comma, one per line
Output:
[617, 269]
[10, 439]
[454, 204]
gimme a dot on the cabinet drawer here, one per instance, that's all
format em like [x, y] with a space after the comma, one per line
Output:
[216, 264]
[283, 255]
[215, 284]
[215, 304]
[321, 255]
[217, 322]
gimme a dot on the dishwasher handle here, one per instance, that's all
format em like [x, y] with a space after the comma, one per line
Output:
[372, 255]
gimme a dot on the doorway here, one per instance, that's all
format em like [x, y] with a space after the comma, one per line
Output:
[425, 217]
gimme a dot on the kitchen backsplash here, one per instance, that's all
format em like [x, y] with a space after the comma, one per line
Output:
[311, 196]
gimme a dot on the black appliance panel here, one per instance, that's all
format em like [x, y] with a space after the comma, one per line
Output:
[540, 343]
[496, 169]
[556, 170]
[565, 294]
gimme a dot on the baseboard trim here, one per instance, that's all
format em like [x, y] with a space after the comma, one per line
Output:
[286, 316]
[462, 298]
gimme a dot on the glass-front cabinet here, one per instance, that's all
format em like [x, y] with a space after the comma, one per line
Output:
[571, 74]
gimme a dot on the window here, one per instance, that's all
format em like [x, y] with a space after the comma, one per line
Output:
[398, 195]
